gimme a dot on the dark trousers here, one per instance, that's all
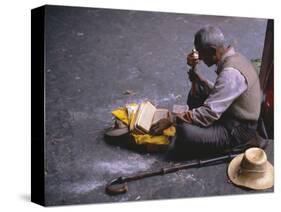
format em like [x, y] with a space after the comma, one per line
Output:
[223, 136]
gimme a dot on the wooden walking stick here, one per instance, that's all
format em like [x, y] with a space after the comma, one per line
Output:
[119, 185]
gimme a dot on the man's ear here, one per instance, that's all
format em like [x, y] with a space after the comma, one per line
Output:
[214, 52]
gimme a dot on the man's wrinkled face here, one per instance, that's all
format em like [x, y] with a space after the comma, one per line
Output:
[208, 55]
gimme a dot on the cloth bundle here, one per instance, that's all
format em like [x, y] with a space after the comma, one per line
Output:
[126, 114]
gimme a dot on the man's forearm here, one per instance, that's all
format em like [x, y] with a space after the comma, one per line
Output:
[183, 117]
[208, 85]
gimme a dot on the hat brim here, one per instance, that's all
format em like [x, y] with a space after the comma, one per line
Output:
[250, 181]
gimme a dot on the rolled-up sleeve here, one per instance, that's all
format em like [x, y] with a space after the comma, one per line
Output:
[229, 85]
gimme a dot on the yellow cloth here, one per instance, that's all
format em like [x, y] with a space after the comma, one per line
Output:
[122, 114]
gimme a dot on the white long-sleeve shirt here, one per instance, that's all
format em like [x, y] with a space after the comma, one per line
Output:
[229, 85]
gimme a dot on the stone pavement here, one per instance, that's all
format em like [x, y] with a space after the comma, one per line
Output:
[93, 58]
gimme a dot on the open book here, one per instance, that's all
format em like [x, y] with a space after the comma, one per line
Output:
[144, 115]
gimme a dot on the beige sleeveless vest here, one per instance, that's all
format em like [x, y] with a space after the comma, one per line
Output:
[247, 105]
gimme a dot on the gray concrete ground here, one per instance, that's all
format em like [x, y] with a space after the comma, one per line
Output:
[92, 57]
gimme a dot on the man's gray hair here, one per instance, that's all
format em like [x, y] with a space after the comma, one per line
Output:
[209, 36]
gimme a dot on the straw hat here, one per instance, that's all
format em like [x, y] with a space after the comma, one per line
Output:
[251, 170]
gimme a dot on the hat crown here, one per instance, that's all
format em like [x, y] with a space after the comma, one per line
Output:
[254, 160]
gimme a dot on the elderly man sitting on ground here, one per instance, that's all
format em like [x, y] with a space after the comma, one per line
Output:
[222, 115]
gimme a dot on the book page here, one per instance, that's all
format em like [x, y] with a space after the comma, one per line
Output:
[131, 109]
[160, 114]
[145, 114]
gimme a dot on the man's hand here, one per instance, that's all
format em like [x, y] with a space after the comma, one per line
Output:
[158, 127]
[192, 59]
[184, 117]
